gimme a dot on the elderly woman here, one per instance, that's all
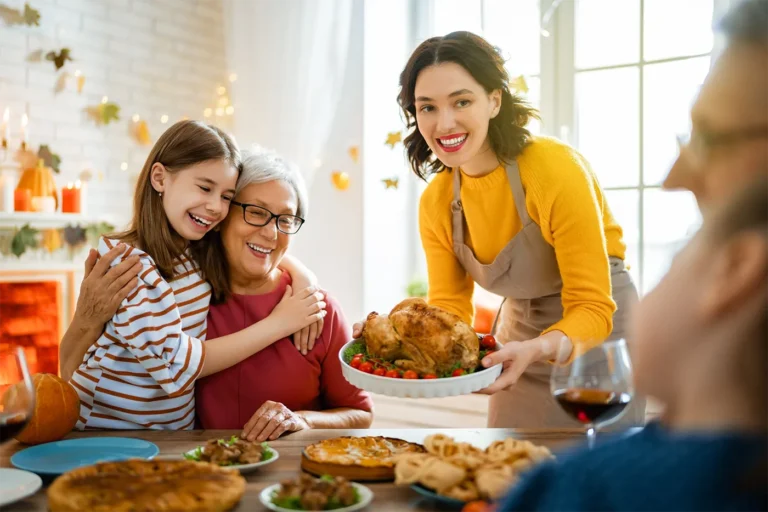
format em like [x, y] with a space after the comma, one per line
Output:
[279, 389]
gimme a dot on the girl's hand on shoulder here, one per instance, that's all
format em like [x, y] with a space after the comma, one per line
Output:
[357, 330]
[299, 310]
[305, 339]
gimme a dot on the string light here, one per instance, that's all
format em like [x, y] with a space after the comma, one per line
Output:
[164, 118]
[221, 90]
[232, 77]
[207, 112]
[219, 111]
[124, 166]
[104, 100]
[230, 110]
[135, 118]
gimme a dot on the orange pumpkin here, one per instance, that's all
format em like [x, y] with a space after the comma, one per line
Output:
[57, 408]
[484, 319]
[39, 181]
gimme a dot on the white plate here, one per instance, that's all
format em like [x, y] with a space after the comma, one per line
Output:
[242, 468]
[366, 496]
[16, 485]
[421, 388]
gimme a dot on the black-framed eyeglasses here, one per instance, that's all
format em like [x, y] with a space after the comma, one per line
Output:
[259, 216]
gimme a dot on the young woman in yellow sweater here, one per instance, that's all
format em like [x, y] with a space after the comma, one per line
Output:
[522, 216]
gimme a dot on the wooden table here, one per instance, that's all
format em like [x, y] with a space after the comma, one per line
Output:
[387, 497]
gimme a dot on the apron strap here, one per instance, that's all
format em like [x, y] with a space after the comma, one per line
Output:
[513, 175]
[457, 212]
[496, 318]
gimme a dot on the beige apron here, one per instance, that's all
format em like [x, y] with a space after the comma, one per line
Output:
[526, 273]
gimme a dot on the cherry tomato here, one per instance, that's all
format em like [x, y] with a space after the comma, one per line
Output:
[429, 376]
[477, 506]
[355, 363]
[458, 372]
[488, 342]
[392, 374]
[410, 374]
[380, 371]
[366, 367]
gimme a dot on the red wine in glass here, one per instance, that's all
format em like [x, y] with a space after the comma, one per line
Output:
[590, 406]
[11, 424]
[595, 387]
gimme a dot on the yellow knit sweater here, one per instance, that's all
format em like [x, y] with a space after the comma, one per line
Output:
[563, 198]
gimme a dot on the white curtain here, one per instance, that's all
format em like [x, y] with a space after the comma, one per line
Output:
[290, 59]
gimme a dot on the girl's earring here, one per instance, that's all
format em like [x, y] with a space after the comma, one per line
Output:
[160, 194]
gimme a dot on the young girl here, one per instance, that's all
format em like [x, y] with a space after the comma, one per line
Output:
[141, 371]
[700, 347]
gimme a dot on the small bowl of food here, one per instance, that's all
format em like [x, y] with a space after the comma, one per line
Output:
[418, 351]
[240, 454]
[309, 493]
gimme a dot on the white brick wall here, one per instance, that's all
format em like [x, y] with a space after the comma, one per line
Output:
[152, 57]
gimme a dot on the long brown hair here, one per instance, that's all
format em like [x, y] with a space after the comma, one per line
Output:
[506, 131]
[183, 145]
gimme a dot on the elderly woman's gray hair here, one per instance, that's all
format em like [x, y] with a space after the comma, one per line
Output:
[747, 21]
[260, 165]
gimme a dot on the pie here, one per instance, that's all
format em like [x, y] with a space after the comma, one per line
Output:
[356, 458]
[145, 485]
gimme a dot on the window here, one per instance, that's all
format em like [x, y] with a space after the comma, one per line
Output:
[616, 79]
[631, 97]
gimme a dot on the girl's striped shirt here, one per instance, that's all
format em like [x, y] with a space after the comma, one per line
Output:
[141, 371]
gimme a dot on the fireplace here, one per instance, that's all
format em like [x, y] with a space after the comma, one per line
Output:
[36, 306]
[30, 313]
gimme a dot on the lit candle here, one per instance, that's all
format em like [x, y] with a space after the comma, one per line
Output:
[70, 198]
[22, 200]
[24, 131]
[6, 128]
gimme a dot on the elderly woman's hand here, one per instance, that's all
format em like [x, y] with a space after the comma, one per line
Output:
[271, 421]
[104, 288]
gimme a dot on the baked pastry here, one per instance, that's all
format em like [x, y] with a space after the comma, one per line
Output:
[356, 458]
[146, 485]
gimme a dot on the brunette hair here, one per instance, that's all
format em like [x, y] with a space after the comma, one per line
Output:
[183, 145]
[506, 131]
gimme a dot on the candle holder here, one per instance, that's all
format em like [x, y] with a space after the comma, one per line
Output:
[9, 176]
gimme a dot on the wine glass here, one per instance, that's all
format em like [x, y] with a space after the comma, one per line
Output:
[17, 392]
[596, 387]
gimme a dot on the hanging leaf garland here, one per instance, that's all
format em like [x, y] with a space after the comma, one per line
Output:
[28, 16]
[25, 238]
[104, 113]
[59, 58]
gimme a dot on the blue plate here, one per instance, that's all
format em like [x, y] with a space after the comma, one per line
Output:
[61, 456]
[445, 500]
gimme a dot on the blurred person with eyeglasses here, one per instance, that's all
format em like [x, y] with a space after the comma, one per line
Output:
[728, 142]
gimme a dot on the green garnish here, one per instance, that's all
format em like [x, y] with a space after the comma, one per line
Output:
[357, 347]
[195, 454]
[268, 452]
[294, 502]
